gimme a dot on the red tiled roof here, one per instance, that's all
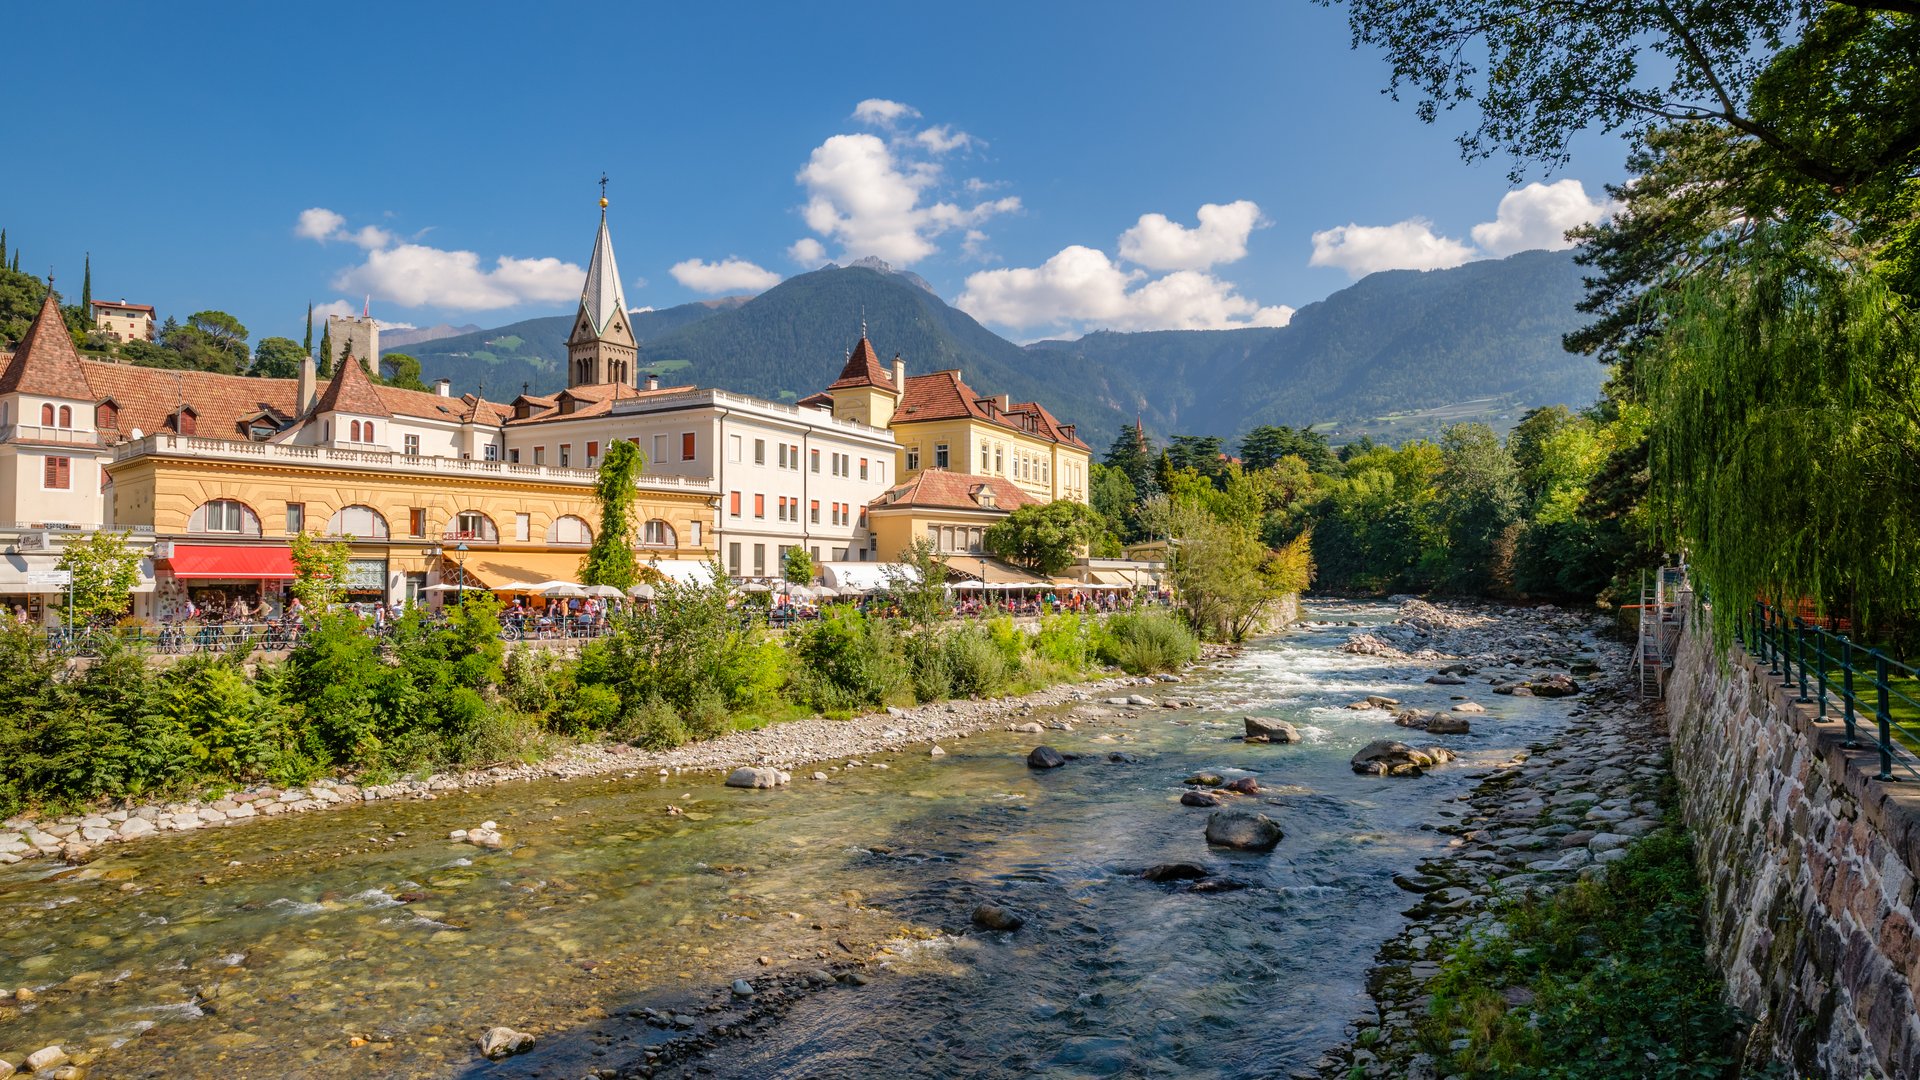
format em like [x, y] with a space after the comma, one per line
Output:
[941, 395]
[352, 390]
[590, 399]
[45, 362]
[146, 398]
[430, 406]
[939, 489]
[863, 369]
[123, 306]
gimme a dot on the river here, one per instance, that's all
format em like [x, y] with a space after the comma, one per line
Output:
[364, 941]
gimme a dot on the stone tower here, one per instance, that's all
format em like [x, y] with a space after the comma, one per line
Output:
[361, 334]
[602, 348]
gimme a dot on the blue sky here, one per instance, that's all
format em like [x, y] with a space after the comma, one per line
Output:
[253, 157]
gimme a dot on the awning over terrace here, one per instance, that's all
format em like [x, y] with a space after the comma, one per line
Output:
[210, 562]
[502, 570]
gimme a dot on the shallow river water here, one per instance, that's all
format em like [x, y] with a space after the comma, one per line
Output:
[285, 948]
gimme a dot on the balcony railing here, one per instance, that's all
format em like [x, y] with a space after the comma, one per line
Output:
[192, 446]
[45, 434]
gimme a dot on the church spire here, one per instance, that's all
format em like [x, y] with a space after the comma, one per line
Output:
[602, 348]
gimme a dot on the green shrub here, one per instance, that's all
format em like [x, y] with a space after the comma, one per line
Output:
[588, 709]
[1065, 639]
[1011, 641]
[708, 715]
[529, 681]
[1142, 643]
[932, 667]
[846, 661]
[655, 725]
[976, 661]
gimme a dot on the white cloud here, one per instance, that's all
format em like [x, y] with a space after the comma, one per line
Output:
[871, 201]
[318, 223]
[1535, 216]
[1538, 216]
[1407, 245]
[1081, 289]
[942, 139]
[342, 308]
[880, 112]
[808, 252]
[414, 275]
[729, 275]
[1221, 237]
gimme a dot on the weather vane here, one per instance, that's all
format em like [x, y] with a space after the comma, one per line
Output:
[603, 190]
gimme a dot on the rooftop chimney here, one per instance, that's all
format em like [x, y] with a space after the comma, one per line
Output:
[653, 381]
[443, 387]
[1004, 403]
[304, 395]
[899, 374]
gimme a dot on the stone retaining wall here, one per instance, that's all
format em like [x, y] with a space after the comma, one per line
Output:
[1810, 867]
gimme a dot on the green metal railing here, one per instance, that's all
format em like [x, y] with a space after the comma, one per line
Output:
[1866, 686]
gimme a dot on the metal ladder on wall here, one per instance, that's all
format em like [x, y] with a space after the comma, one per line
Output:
[1663, 613]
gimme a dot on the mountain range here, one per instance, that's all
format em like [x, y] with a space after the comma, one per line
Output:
[1394, 355]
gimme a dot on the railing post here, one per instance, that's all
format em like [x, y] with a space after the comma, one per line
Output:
[1773, 642]
[1800, 641]
[1820, 672]
[1883, 715]
[1846, 692]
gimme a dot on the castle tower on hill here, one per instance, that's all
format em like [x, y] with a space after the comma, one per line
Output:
[602, 349]
[359, 334]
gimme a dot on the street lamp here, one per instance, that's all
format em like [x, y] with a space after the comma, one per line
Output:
[462, 549]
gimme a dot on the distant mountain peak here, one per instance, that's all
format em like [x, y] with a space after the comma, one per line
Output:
[875, 262]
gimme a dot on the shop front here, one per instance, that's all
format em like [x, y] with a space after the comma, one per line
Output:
[26, 596]
[222, 580]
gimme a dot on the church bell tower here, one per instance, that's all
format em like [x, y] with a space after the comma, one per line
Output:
[602, 348]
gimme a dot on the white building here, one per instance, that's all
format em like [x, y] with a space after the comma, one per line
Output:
[788, 476]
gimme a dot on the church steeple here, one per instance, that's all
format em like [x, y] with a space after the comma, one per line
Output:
[602, 348]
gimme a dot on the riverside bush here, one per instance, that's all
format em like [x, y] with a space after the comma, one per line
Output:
[975, 661]
[846, 661]
[1146, 642]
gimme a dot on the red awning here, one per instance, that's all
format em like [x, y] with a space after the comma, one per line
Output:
[243, 563]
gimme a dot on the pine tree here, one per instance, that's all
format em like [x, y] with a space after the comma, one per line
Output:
[326, 353]
[86, 288]
[3, 247]
[307, 344]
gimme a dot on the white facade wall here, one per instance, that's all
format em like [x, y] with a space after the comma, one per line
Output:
[773, 465]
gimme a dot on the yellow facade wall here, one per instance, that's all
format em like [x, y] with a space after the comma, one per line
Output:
[165, 492]
[1066, 465]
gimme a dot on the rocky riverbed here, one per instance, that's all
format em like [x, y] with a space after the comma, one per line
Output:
[1569, 807]
[75, 837]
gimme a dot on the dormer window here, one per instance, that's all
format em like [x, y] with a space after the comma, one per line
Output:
[522, 410]
[983, 495]
[184, 422]
[107, 414]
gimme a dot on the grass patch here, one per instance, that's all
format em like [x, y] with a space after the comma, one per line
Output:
[1616, 981]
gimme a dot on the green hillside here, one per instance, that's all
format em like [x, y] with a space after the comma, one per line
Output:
[533, 352]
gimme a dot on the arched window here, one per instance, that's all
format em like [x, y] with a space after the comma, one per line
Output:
[354, 432]
[226, 516]
[66, 416]
[359, 522]
[46, 416]
[657, 533]
[369, 431]
[473, 525]
[569, 529]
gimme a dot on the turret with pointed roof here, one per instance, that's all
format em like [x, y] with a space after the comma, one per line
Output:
[602, 348]
[45, 362]
[865, 391]
[352, 391]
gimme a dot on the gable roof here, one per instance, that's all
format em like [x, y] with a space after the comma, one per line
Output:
[146, 398]
[351, 390]
[941, 490]
[590, 399]
[863, 369]
[424, 405]
[45, 362]
[942, 395]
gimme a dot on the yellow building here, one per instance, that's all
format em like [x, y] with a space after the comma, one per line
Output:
[942, 423]
[123, 321]
[214, 474]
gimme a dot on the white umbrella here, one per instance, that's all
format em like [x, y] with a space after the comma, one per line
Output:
[825, 592]
[756, 587]
[642, 591]
[603, 590]
[800, 592]
[560, 590]
[444, 587]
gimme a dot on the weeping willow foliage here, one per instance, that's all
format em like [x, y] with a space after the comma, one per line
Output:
[1785, 434]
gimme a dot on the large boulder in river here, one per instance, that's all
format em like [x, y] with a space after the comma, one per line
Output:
[1554, 685]
[995, 917]
[1045, 757]
[500, 1042]
[1199, 798]
[1174, 871]
[751, 776]
[1242, 830]
[1274, 731]
[1447, 724]
[1389, 757]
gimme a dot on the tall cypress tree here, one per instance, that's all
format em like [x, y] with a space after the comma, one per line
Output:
[3, 247]
[307, 345]
[326, 353]
[86, 289]
[16, 260]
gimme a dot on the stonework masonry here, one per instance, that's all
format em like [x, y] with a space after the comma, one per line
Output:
[1810, 867]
